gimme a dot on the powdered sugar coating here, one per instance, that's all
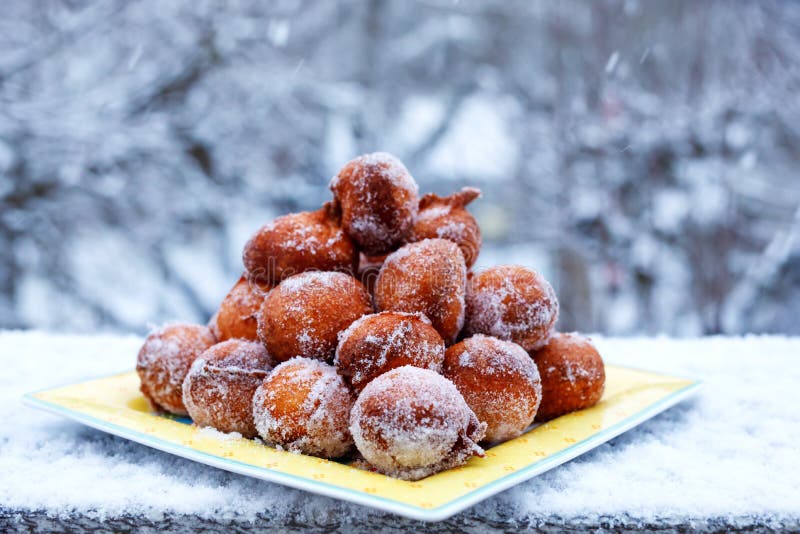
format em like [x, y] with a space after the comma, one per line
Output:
[304, 314]
[434, 212]
[219, 387]
[513, 303]
[164, 360]
[427, 277]
[299, 242]
[304, 407]
[499, 382]
[237, 316]
[377, 343]
[572, 372]
[411, 423]
[447, 218]
[210, 432]
[378, 199]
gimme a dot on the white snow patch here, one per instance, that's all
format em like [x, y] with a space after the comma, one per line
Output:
[479, 143]
[730, 453]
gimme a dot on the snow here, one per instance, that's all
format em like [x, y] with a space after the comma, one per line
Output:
[729, 455]
[612, 62]
[278, 32]
[417, 120]
[480, 143]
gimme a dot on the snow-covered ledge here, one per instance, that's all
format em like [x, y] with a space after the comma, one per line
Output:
[726, 458]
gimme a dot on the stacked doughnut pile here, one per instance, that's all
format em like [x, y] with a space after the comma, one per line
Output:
[358, 331]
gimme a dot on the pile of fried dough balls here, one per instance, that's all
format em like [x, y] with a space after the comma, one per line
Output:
[359, 331]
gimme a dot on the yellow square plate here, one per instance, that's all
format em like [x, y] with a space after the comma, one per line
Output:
[113, 404]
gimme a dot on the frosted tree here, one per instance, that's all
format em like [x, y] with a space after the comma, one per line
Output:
[645, 166]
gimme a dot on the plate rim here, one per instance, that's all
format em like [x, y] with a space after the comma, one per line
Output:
[439, 513]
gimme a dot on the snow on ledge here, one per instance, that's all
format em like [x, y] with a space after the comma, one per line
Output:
[729, 454]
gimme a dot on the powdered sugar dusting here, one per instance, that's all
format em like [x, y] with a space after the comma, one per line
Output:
[411, 423]
[311, 239]
[219, 387]
[317, 426]
[379, 342]
[428, 277]
[164, 360]
[512, 303]
[305, 313]
[314, 281]
[391, 167]
[499, 358]
[208, 432]
[396, 258]
[448, 218]
[575, 369]
[513, 389]
[434, 212]
[452, 230]
[359, 323]
[573, 374]
[378, 199]
[299, 242]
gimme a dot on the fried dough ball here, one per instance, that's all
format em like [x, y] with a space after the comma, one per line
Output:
[427, 277]
[237, 315]
[304, 314]
[513, 303]
[379, 200]
[218, 390]
[447, 218]
[499, 381]
[304, 406]
[410, 423]
[573, 375]
[299, 242]
[164, 360]
[383, 341]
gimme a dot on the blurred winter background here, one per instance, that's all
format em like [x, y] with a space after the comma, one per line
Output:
[644, 155]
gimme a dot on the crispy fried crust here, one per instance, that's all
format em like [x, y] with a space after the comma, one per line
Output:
[447, 218]
[304, 314]
[299, 242]
[427, 277]
[499, 381]
[573, 375]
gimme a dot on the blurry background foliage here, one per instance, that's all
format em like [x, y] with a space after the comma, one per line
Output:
[643, 155]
